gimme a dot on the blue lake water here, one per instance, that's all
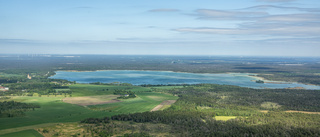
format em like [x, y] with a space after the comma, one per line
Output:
[166, 77]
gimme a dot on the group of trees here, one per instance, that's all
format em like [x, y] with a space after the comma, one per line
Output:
[14, 109]
[124, 94]
[41, 88]
[226, 96]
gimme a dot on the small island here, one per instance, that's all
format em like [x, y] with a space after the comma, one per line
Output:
[259, 81]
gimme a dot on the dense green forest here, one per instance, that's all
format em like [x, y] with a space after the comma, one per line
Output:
[195, 111]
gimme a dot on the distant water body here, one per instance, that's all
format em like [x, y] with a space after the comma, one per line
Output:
[166, 77]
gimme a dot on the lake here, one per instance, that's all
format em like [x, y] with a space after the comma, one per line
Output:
[166, 77]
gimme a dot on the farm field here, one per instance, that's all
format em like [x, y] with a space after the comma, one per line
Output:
[25, 133]
[54, 110]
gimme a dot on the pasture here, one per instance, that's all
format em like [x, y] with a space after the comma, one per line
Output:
[55, 110]
[25, 133]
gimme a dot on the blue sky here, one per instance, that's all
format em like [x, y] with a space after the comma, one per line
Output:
[166, 27]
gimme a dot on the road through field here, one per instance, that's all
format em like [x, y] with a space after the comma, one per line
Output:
[164, 103]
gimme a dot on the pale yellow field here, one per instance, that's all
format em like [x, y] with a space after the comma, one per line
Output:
[224, 118]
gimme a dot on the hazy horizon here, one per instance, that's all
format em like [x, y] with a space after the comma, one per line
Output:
[141, 27]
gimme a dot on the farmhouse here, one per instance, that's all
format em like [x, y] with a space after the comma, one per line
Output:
[4, 88]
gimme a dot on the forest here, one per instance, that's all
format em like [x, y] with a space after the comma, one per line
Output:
[194, 113]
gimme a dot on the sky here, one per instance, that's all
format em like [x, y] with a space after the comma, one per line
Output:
[161, 27]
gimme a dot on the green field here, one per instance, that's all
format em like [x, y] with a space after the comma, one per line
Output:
[143, 102]
[54, 110]
[25, 133]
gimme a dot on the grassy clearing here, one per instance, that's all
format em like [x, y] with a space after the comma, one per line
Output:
[270, 105]
[64, 129]
[225, 118]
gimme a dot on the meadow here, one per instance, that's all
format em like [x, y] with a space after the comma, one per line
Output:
[54, 110]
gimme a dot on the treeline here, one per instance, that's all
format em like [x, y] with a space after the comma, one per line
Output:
[14, 109]
[226, 96]
[29, 88]
[188, 123]
[11, 79]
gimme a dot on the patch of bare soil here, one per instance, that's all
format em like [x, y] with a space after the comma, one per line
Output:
[91, 100]
[166, 102]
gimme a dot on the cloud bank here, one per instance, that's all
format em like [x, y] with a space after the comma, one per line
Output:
[304, 23]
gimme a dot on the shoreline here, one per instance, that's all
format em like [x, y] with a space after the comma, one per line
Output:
[249, 74]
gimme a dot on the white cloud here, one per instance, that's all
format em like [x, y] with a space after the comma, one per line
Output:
[285, 18]
[303, 24]
[268, 7]
[260, 29]
[228, 15]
